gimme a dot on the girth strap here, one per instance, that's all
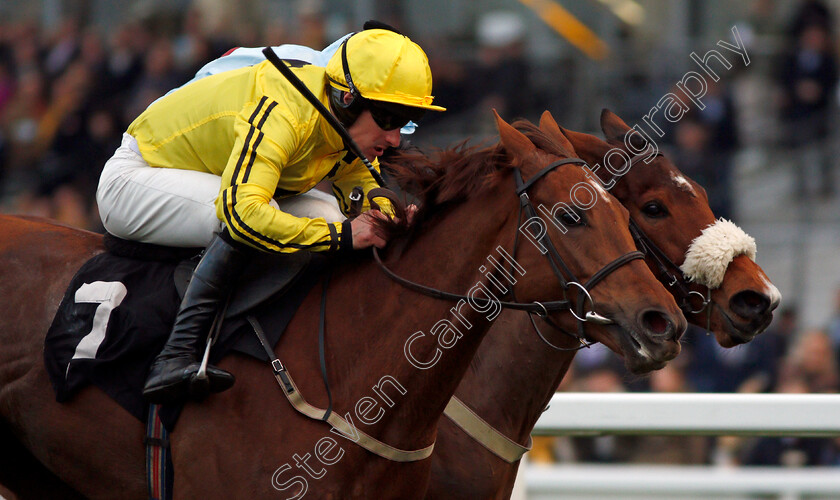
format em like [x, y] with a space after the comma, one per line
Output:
[500, 445]
[292, 393]
[158, 462]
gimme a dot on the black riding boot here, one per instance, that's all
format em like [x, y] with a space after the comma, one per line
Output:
[174, 368]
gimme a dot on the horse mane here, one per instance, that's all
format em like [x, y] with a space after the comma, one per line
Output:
[440, 179]
[446, 177]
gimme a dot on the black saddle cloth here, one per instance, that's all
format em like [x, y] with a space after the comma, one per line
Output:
[118, 311]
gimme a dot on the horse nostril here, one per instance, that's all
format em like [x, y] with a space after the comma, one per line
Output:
[657, 324]
[749, 304]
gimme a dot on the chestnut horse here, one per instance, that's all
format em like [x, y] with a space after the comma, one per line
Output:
[248, 442]
[514, 373]
[663, 201]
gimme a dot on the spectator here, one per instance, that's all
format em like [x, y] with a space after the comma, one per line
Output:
[19, 124]
[769, 350]
[7, 81]
[809, 370]
[669, 449]
[833, 329]
[124, 62]
[62, 132]
[712, 368]
[808, 78]
[25, 40]
[812, 360]
[811, 13]
[311, 25]
[190, 48]
[63, 48]
[159, 77]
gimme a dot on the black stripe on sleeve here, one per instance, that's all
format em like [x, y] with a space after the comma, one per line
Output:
[339, 195]
[251, 235]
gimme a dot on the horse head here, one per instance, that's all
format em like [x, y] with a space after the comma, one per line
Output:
[693, 253]
[589, 230]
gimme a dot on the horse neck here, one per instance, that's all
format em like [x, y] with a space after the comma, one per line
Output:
[446, 257]
[514, 374]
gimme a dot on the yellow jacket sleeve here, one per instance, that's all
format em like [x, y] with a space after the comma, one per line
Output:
[268, 137]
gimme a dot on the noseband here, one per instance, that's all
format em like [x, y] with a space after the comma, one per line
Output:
[675, 277]
[558, 266]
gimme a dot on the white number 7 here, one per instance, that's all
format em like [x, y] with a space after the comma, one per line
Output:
[108, 294]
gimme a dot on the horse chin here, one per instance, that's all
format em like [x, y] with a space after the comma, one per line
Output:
[643, 354]
[732, 332]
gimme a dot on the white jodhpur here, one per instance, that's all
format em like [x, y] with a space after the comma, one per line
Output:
[175, 207]
[164, 206]
[312, 204]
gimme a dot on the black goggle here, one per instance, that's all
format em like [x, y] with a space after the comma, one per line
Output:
[387, 116]
[387, 120]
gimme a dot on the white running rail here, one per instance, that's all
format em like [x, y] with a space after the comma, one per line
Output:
[685, 414]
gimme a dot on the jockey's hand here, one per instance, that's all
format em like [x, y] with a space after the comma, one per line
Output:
[363, 233]
[409, 213]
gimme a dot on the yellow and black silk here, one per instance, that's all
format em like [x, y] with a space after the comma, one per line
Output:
[252, 128]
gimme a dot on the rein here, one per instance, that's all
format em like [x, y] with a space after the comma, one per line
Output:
[677, 278]
[558, 266]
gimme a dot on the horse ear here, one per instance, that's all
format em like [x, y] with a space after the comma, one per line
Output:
[550, 127]
[613, 126]
[587, 146]
[513, 140]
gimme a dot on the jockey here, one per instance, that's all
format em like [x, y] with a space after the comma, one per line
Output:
[201, 165]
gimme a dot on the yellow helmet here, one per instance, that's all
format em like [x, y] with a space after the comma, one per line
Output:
[384, 66]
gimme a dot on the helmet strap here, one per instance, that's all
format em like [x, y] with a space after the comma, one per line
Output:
[346, 67]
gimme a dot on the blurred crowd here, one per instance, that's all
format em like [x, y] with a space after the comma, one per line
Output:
[66, 96]
[791, 87]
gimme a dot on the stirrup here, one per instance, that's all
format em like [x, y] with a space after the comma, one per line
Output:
[181, 383]
[215, 380]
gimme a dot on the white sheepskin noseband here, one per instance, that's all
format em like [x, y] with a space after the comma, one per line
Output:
[709, 254]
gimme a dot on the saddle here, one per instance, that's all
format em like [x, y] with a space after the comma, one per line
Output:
[119, 308]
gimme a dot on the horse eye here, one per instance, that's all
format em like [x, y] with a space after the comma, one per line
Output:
[569, 219]
[654, 209]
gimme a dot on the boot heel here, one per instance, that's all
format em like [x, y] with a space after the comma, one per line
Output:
[199, 388]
